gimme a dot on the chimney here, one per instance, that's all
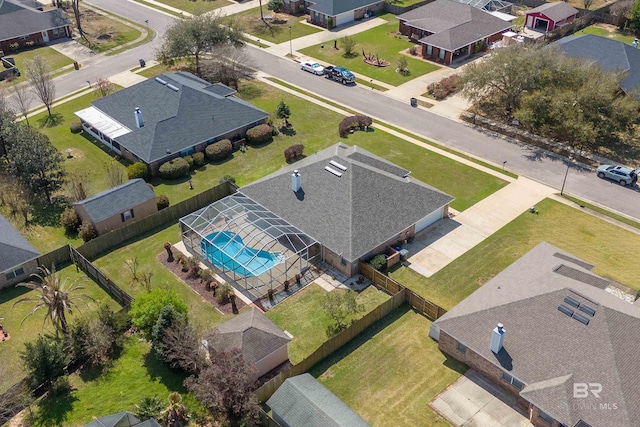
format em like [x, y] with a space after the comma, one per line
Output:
[296, 181]
[497, 338]
[139, 121]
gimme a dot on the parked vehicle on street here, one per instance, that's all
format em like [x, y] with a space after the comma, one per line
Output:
[312, 67]
[339, 74]
[620, 174]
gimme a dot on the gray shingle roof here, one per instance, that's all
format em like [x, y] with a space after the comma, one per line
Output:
[454, 25]
[609, 54]
[335, 7]
[355, 213]
[556, 11]
[301, 401]
[251, 332]
[543, 346]
[17, 19]
[117, 199]
[176, 120]
[122, 419]
[14, 248]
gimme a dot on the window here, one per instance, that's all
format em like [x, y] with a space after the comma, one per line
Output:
[429, 49]
[188, 151]
[15, 273]
[343, 261]
[58, 32]
[27, 37]
[513, 381]
[545, 417]
[442, 53]
[461, 347]
[127, 215]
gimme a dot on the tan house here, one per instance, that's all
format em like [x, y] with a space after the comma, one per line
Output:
[333, 13]
[561, 339]
[24, 23]
[18, 257]
[118, 206]
[263, 344]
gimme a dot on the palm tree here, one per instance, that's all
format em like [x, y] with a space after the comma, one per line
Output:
[56, 296]
[176, 414]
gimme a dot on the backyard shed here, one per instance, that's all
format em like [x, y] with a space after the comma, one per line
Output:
[550, 16]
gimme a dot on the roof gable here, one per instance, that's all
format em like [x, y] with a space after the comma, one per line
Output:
[116, 200]
[122, 419]
[15, 250]
[556, 11]
[18, 19]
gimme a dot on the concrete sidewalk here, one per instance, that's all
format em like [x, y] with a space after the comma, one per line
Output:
[236, 7]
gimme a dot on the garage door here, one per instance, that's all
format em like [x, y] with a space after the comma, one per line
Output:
[429, 219]
[344, 18]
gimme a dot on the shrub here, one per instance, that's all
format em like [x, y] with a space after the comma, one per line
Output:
[137, 170]
[189, 160]
[69, 220]
[44, 359]
[445, 87]
[174, 169]
[413, 50]
[149, 407]
[162, 202]
[198, 159]
[60, 387]
[378, 262]
[87, 231]
[227, 178]
[260, 134]
[168, 316]
[75, 127]
[146, 308]
[293, 153]
[224, 290]
[353, 123]
[219, 150]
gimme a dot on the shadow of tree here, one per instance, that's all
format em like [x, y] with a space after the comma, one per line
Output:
[250, 91]
[51, 121]
[172, 378]
[48, 215]
[52, 411]
[288, 131]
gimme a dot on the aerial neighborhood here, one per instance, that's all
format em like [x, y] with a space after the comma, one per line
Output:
[319, 213]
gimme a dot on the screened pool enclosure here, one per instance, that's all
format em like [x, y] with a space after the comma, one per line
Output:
[248, 244]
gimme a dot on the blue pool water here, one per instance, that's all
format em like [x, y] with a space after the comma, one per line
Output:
[224, 247]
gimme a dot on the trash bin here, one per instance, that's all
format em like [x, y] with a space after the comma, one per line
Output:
[142, 63]
[76, 65]
[414, 102]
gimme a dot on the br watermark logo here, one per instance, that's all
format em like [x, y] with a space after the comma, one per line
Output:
[590, 390]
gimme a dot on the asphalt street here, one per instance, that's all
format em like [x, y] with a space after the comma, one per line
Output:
[521, 159]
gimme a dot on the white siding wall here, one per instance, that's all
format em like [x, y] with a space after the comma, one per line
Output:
[344, 18]
[429, 219]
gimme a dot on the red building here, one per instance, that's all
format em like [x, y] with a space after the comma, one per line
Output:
[550, 16]
[24, 23]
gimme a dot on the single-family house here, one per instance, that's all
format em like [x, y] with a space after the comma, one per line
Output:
[448, 31]
[118, 206]
[18, 257]
[304, 401]
[332, 13]
[609, 54]
[24, 23]
[550, 16]
[562, 339]
[263, 345]
[172, 115]
[122, 419]
[340, 205]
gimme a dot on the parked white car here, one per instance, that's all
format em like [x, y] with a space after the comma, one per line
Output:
[312, 67]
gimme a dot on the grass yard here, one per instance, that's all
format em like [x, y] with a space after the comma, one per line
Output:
[608, 31]
[194, 6]
[303, 317]
[610, 248]
[391, 372]
[51, 57]
[380, 41]
[202, 314]
[403, 3]
[135, 374]
[10, 350]
[102, 32]
[250, 22]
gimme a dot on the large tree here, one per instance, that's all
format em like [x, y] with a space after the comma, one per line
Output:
[196, 36]
[35, 162]
[55, 295]
[7, 130]
[22, 97]
[38, 74]
[227, 64]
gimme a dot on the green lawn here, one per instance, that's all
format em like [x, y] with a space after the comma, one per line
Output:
[380, 41]
[146, 248]
[303, 317]
[608, 32]
[250, 22]
[391, 372]
[51, 57]
[103, 33]
[194, 6]
[610, 248]
[10, 350]
[403, 3]
[135, 374]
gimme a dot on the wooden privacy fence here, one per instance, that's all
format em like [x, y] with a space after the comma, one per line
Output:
[93, 248]
[330, 346]
[123, 298]
[429, 309]
[62, 255]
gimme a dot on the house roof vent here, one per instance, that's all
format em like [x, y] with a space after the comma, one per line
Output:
[338, 165]
[162, 82]
[173, 88]
[333, 171]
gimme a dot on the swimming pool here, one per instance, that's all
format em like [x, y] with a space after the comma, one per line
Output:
[226, 250]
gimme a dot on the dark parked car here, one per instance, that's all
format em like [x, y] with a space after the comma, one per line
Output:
[339, 74]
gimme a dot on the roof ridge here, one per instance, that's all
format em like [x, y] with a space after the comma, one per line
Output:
[108, 191]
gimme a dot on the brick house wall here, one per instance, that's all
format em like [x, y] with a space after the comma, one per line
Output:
[377, 8]
[294, 7]
[29, 267]
[34, 39]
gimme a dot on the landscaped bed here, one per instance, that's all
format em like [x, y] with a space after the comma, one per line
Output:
[612, 250]
[274, 32]
[380, 41]
[391, 371]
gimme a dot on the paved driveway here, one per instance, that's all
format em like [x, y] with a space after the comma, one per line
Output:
[474, 401]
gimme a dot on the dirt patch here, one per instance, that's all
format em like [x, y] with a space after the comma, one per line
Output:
[195, 283]
[76, 154]
[327, 374]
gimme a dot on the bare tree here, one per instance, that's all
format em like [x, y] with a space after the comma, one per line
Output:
[228, 65]
[16, 197]
[103, 87]
[76, 13]
[43, 86]
[22, 98]
[587, 4]
[78, 186]
[115, 173]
